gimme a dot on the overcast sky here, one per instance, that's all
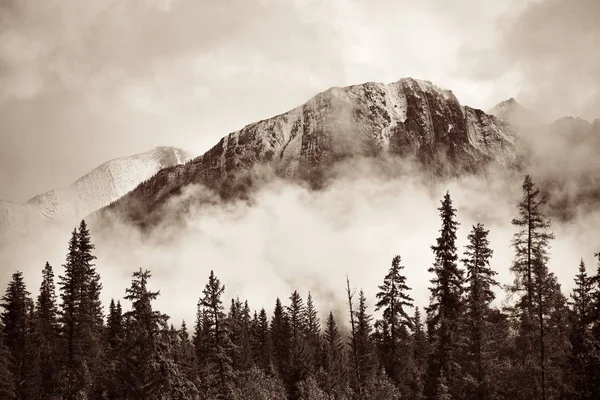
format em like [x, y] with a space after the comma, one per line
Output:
[85, 82]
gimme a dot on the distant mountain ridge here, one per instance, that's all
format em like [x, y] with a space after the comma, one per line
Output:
[408, 118]
[96, 189]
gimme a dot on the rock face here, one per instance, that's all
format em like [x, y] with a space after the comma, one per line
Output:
[405, 118]
[91, 192]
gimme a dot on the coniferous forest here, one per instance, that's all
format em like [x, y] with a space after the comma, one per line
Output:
[63, 343]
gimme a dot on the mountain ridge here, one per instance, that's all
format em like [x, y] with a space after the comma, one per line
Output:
[92, 191]
[407, 118]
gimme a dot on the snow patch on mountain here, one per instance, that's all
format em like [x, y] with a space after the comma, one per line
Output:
[95, 190]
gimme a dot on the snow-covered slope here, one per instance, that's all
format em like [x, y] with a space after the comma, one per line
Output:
[92, 191]
[406, 118]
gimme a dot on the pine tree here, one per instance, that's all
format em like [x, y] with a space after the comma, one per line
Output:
[445, 309]
[238, 322]
[47, 326]
[16, 321]
[150, 367]
[480, 280]
[280, 339]
[581, 359]
[115, 337]
[7, 380]
[334, 361]
[594, 382]
[219, 343]
[393, 328]
[299, 356]
[367, 359]
[71, 285]
[261, 342]
[313, 333]
[32, 384]
[201, 346]
[534, 287]
[419, 353]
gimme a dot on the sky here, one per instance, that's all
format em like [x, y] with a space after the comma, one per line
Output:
[85, 82]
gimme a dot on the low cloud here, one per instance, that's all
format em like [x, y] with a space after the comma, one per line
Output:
[287, 237]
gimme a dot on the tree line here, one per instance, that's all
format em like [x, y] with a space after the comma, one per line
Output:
[540, 345]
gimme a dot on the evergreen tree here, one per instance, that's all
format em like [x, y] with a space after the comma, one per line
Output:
[313, 333]
[582, 357]
[537, 292]
[367, 359]
[480, 280]
[82, 330]
[151, 371]
[201, 346]
[419, 353]
[47, 326]
[115, 337]
[393, 328]
[7, 379]
[261, 342]
[445, 308]
[239, 326]
[595, 326]
[299, 356]
[280, 339]
[16, 321]
[219, 343]
[334, 361]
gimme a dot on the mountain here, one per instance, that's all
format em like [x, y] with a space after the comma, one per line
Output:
[513, 112]
[92, 191]
[408, 118]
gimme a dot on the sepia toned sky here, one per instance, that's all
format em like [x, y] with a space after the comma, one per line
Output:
[85, 82]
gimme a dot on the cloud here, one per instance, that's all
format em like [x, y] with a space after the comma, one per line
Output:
[287, 237]
[547, 48]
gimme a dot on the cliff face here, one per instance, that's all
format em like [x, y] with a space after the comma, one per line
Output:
[406, 118]
[91, 192]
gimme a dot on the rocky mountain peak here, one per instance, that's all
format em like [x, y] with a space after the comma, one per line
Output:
[407, 118]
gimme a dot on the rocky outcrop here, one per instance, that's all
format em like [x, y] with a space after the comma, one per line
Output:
[406, 118]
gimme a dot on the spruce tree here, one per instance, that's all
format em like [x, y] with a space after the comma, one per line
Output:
[70, 318]
[280, 339]
[365, 348]
[445, 309]
[334, 360]
[581, 360]
[7, 379]
[150, 367]
[299, 356]
[419, 353]
[219, 343]
[261, 342]
[313, 333]
[115, 337]
[16, 321]
[595, 327]
[47, 326]
[537, 293]
[480, 281]
[395, 324]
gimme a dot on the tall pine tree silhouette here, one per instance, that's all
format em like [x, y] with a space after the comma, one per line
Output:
[219, 343]
[445, 308]
[582, 359]
[395, 324]
[480, 280]
[16, 321]
[47, 326]
[532, 286]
